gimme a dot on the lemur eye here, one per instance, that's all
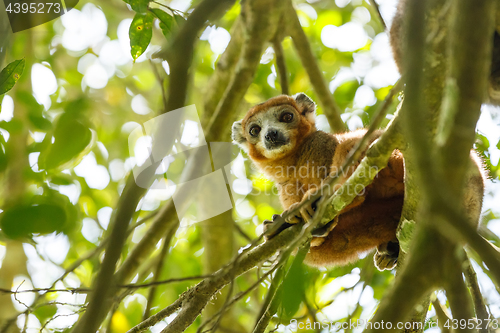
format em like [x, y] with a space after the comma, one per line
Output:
[255, 130]
[286, 117]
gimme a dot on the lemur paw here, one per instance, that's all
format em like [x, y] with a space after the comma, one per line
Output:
[386, 256]
[304, 214]
[325, 230]
[317, 241]
[269, 226]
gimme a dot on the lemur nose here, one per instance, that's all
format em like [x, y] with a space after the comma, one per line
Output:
[272, 135]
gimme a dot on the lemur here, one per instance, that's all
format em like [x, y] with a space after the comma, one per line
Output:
[281, 139]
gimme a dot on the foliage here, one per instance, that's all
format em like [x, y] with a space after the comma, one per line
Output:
[10, 74]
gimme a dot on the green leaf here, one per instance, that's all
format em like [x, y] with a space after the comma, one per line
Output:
[45, 312]
[71, 139]
[141, 31]
[166, 21]
[77, 106]
[35, 111]
[10, 75]
[293, 289]
[40, 123]
[344, 94]
[39, 214]
[14, 126]
[23, 220]
[29, 101]
[61, 179]
[139, 6]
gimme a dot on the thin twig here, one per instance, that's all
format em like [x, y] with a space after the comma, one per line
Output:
[61, 315]
[124, 286]
[172, 10]
[161, 81]
[159, 267]
[242, 232]
[17, 300]
[273, 299]
[236, 298]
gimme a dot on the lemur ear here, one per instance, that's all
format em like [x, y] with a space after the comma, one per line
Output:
[306, 106]
[238, 137]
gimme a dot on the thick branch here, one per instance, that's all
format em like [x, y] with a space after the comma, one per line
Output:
[412, 283]
[180, 53]
[375, 160]
[470, 58]
[308, 59]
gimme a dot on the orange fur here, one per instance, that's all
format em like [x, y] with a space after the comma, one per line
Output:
[278, 100]
[357, 231]
[371, 220]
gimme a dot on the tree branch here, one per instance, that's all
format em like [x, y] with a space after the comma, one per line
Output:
[412, 282]
[442, 314]
[456, 291]
[194, 300]
[281, 65]
[162, 257]
[99, 299]
[273, 297]
[479, 305]
[308, 59]
[467, 85]
[379, 14]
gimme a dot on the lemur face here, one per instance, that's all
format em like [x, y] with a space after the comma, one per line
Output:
[274, 128]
